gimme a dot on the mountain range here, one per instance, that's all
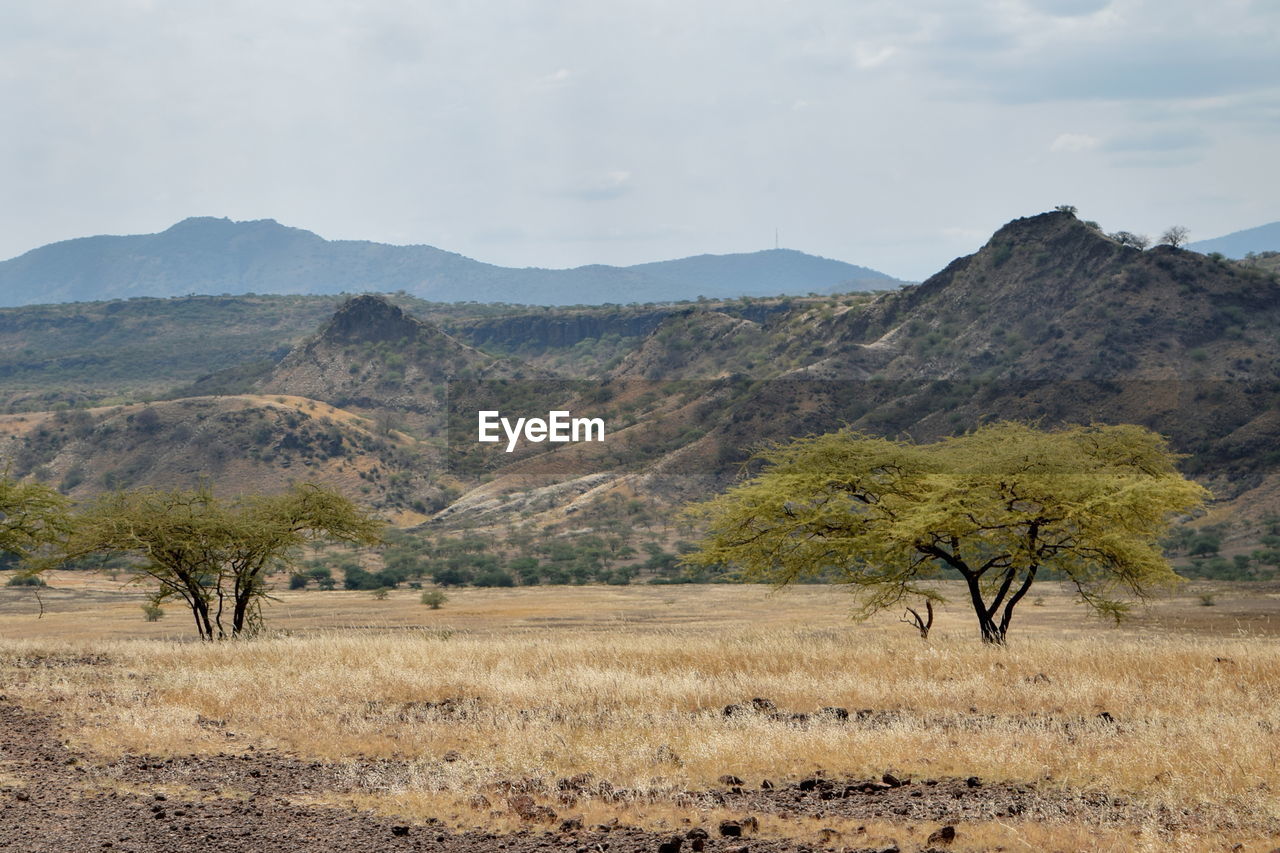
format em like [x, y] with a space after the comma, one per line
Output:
[1050, 321]
[206, 255]
[1237, 244]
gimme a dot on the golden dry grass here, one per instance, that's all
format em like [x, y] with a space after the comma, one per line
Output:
[629, 684]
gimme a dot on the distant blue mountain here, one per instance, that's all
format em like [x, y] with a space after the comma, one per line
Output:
[205, 255]
[1237, 244]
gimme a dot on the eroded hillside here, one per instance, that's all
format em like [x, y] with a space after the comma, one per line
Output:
[1051, 320]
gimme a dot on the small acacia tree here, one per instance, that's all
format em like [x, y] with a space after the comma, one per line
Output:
[31, 515]
[996, 507]
[215, 556]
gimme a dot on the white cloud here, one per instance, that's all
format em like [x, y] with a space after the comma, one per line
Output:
[870, 56]
[1074, 143]
[556, 78]
[514, 131]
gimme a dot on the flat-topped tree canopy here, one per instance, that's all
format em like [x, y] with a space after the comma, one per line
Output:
[996, 506]
[215, 555]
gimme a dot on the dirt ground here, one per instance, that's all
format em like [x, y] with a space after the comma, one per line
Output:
[58, 795]
[57, 799]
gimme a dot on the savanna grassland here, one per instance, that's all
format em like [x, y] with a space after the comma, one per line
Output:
[573, 717]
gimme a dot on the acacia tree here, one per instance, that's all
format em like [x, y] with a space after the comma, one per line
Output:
[31, 515]
[215, 556]
[996, 507]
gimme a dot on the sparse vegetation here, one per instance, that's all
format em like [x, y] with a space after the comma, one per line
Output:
[580, 636]
[554, 683]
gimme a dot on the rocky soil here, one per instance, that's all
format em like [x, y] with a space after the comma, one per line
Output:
[56, 798]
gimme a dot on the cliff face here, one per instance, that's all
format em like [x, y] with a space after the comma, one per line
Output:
[549, 330]
[558, 330]
[370, 319]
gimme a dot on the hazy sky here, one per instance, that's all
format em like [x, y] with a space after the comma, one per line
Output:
[891, 133]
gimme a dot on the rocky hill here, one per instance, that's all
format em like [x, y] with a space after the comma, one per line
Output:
[373, 358]
[205, 255]
[237, 444]
[1051, 320]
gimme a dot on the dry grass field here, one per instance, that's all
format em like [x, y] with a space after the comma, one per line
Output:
[1160, 734]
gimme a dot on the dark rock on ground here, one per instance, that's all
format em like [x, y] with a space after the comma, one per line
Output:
[943, 835]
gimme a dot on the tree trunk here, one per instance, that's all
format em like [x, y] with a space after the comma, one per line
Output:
[201, 611]
[247, 590]
[239, 614]
[991, 632]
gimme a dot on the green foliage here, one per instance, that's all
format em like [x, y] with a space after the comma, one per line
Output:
[152, 612]
[354, 577]
[1205, 544]
[32, 516]
[433, 598]
[452, 577]
[996, 506]
[322, 575]
[494, 577]
[214, 556]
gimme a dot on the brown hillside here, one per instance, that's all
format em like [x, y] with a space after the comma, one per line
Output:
[1051, 320]
[235, 444]
[372, 358]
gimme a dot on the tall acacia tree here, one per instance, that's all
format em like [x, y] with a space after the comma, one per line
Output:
[215, 556]
[996, 507]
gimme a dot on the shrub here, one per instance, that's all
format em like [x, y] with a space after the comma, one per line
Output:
[494, 577]
[433, 598]
[452, 577]
[1204, 544]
